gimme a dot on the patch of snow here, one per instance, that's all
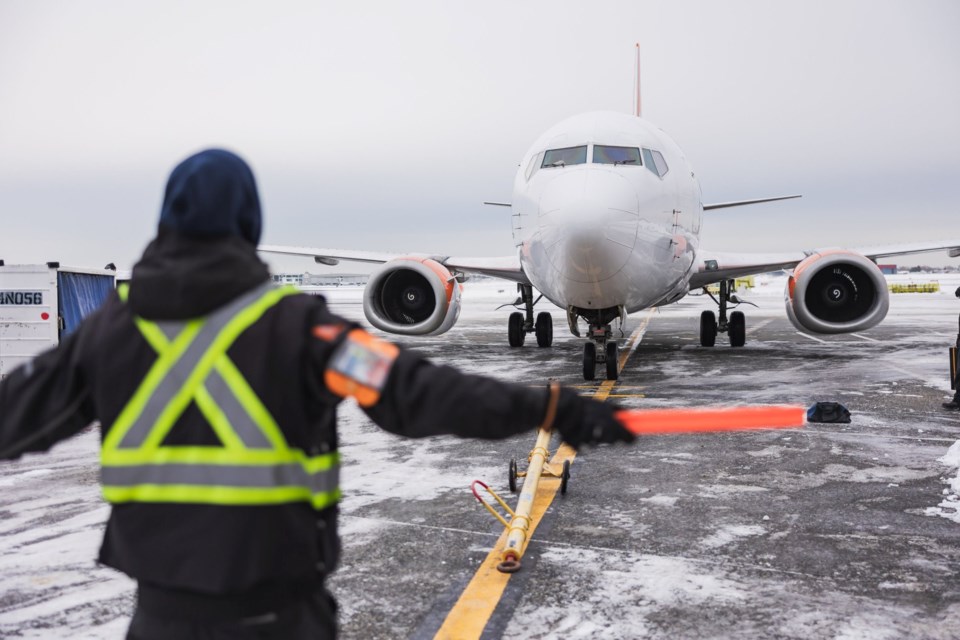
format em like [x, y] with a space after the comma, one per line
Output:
[730, 533]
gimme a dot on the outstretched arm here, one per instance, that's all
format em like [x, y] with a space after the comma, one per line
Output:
[408, 395]
[43, 401]
[423, 399]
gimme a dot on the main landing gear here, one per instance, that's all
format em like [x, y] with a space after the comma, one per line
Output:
[601, 349]
[735, 327]
[519, 324]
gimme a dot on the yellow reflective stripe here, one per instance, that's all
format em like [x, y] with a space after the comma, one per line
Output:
[321, 463]
[189, 390]
[233, 452]
[218, 421]
[207, 406]
[219, 455]
[167, 358]
[219, 495]
[251, 403]
[218, 348]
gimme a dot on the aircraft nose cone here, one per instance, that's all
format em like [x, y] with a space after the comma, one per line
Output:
[588, 221]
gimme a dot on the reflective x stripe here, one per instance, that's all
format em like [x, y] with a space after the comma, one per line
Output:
[254, 465]
[169, 398]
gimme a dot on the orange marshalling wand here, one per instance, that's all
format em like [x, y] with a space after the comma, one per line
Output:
[666, 421]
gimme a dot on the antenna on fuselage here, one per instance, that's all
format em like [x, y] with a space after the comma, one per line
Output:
[636, 100]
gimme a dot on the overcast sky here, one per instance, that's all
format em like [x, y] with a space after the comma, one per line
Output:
[384, 125]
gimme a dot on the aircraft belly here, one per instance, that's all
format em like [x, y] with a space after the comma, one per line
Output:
[650, 273]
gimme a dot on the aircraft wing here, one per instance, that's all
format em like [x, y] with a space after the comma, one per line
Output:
[506, 267]
[715, 266]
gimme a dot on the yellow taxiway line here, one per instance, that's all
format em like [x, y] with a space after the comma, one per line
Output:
[471, 613]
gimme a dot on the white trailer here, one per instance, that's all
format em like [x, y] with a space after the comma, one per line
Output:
[40, 304]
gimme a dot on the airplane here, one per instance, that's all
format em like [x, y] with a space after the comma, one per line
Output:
[607, 216]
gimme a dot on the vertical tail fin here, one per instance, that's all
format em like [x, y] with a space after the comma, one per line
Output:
[637, 110]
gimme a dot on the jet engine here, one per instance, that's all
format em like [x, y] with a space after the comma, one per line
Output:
[836, 292]
[412, 296]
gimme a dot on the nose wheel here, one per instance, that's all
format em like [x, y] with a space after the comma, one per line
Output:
[603, 350]
[613, 360]
[589, 361]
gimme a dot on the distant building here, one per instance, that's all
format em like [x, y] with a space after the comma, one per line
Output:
[288, 278]
[888, 269]
[321, 280]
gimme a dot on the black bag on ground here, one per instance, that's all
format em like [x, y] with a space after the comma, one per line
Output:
[828, 412]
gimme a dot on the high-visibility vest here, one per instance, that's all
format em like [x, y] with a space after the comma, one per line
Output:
[253, 465]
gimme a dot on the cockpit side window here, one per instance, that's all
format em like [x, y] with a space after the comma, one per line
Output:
[565, 157]
[616, 155]
[533, 165]
[655, 162]
[658, 160]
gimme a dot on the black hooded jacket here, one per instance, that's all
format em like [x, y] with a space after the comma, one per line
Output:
[217, 549]
[230, 549]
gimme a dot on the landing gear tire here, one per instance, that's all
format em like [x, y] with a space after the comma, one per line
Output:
[544, 329]
[564, 477]
[613, 360]
[708, 329]
[589, 361]
[512, 477]
[737, 329]
[515, 331]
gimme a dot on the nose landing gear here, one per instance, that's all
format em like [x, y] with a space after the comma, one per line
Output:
[735, 327]
[601, 349]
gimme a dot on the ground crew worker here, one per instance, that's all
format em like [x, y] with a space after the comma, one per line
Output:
[216, 394]
[954, 405]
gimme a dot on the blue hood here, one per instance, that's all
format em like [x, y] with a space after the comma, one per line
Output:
[212, 194]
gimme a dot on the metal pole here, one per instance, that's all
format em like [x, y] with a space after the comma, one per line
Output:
[520, 522]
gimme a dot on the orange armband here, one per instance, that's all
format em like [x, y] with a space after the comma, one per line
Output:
[359, 367]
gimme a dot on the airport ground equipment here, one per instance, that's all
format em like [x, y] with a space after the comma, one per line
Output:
[641, 422]
[40, 304]
[926, 287]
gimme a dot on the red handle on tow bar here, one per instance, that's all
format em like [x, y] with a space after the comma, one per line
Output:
[665, 421]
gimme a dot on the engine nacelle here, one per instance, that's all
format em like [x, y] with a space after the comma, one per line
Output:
[413, 297]
[836, 292]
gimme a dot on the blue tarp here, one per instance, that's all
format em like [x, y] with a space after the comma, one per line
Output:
[79, 294]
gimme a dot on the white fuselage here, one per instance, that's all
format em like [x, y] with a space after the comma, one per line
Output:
[598, 222]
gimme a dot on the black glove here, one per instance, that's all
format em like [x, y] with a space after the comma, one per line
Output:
[583, 421]
[957, 292]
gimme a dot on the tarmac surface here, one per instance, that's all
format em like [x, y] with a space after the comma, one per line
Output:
[830, 531]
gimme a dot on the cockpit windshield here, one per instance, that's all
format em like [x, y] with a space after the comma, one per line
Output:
[616, 155]
[565, 157]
